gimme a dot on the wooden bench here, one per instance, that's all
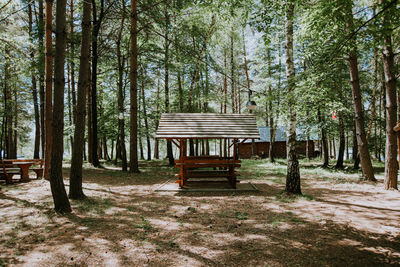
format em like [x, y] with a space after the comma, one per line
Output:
[206, 167]
[37, 163]
[39, 167]
[7, 172]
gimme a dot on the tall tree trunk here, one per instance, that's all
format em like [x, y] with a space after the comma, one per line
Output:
[15, 127]
[96, 30]
[293, 171]
[105, 149]
[391, 107]
[72, 55]
[366, 165]
[69, 104]
[381, 95]
[34, 89]
[375, 85]
[41, 76]
[89, 120]
[325, 152]
[146, 123]
[60, 198]
[121, 148]
[233, 80]
[178, 71]
[356, 155]
[49, 86]
[170, 154]
[7, 107]
[156, 148]
[140, 130]
[133, 163]
[342, 141]
[334, 147]
[271, 117]
[347, 146]
[75, 184]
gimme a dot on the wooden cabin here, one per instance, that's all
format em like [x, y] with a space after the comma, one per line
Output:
[262, 144]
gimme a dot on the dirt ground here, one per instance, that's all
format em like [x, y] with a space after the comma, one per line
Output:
[339, 221]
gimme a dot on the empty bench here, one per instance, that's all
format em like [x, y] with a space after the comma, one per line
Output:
[8, 170]
[10, 167]
[207, 167]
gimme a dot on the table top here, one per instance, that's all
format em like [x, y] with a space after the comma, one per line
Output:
[22, 163]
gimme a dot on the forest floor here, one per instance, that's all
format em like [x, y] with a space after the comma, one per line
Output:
[339, 221]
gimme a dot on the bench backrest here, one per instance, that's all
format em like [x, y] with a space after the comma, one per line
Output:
[7, 165]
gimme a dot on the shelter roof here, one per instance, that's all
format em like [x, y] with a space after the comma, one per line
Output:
[207, 126]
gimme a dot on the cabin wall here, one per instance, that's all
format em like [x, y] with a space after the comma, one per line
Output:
[262, 149]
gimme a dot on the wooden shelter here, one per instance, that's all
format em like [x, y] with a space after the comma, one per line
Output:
[179, 127]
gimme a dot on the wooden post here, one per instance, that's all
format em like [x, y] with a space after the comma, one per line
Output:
[181, 177]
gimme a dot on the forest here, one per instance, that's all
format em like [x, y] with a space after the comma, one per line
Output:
[86, 87]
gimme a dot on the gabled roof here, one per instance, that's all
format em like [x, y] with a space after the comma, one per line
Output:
[207, 125]
[280, 135]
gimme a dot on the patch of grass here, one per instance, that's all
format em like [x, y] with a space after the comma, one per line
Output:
[296, 220]
[307, 197]
[10, 243]
[191, 209]
[172, 244]
[90, 222]
[241, 215]
[94, 205]
[285, 197]
[131, 208]
[118, 214]
[145, 225]
[277, 180]
[223, 214]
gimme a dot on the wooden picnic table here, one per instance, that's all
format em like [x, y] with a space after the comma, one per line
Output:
[24, 167]
[207, 167]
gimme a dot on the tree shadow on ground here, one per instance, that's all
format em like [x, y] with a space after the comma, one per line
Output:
[135, 227]
[226, 230]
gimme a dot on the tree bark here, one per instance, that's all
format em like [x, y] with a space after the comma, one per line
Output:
[156, 148]
[72, 55]
[60, 198]
[233, 84]
[133, 163]
[89, 120]
[293, 171]
[41, 76]
[49, 86]
[146, 123]
[75, 189]
[170, 154]
[96, 30]
[356, 155]
[271, 117]
[362, 142]
[71, 138]
[342, 142]
[34, 88]
[121, 121]
[325, 152]
[391, 106]
[375, 85]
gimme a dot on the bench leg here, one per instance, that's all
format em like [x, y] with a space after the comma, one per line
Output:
[232, 177]
[8, 177]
